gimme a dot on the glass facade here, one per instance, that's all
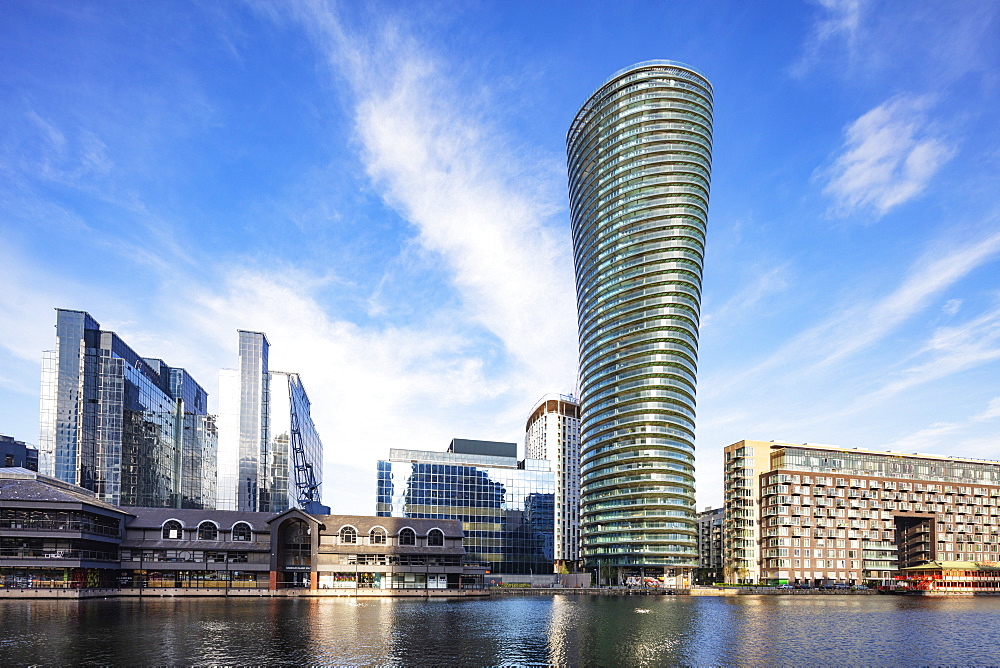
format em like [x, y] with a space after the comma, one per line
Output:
[131, 429]
[506, 507]
[263, 415]
[639, 156]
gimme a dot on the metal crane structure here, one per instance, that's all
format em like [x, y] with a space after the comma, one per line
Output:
[304, 437]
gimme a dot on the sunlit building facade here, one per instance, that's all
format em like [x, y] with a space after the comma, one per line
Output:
[552, 433]
[131, 429]
[744, 462]
[270, 454]
[506, 506]
[639, 155]
[828, 514]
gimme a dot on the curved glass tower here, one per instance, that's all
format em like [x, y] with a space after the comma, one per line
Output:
[639, 154]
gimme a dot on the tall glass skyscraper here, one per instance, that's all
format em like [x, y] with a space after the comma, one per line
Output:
[131, 429]
[639, 155]
[269, 449]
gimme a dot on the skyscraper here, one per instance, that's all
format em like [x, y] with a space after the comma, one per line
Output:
[270, 454]
[131, 429]
[639, 156]
[553, 433]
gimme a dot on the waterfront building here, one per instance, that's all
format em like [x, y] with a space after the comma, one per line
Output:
[552, 433]
[951, 578]
[829, 514]
[17, 453]
[710, 546]
[54, 535]
[270, 454]
[131, 429]
[743, 463]
[506, 506]
[639, 154]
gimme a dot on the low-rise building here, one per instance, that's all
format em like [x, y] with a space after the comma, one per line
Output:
[952, 578]
[57, 535]
[54, 534]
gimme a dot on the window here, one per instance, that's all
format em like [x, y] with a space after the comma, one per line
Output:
[242, 532]
[377, 536]
[348, 535]
[172, 530]
[435, 538]
[208, 531]
[407, 537]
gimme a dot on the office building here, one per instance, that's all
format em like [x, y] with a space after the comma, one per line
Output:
[270, 454]
[131, 429]
[639, 155]
[506, 506]
[17, 453]
[836, 515]
[552, 433]
[710, 549]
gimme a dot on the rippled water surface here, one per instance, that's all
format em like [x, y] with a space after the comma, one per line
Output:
[564, 630]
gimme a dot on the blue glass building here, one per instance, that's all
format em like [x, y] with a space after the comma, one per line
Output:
[506, 506]
[131, 429]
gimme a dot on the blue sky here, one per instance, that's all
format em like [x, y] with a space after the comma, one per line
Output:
[380, 187]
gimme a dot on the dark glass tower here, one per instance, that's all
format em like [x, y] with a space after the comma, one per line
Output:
[639, 156]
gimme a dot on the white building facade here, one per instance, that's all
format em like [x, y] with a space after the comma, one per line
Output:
[553, 433]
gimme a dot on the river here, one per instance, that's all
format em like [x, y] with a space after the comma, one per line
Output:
[561, 630]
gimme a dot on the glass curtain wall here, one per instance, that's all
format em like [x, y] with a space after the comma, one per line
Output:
[507, 512]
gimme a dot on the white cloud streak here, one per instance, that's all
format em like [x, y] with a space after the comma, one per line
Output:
[857, 328]
[435, 158]
[889, 158]
[838, 21]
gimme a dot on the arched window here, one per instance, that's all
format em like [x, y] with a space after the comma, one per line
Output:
[242, 532]
[172, 530]
[348, 535]
[208, 531]
[407, 537]
[377, 536]
[435, 538]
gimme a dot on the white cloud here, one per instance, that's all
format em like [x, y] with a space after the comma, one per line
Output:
[480, 205]
[838, 21]
[888, 158]
[951, 306]
[950, 350]
[855, 329]
[991, 413]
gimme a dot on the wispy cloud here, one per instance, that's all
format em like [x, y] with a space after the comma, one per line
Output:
[889, 156]
[837, 21]
[485, 208]
[950, 350]
[992, 411]
[936, 436]
[861, 326]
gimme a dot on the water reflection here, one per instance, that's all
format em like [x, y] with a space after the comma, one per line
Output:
[559, 630]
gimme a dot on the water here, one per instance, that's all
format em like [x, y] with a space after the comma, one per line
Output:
[563, 630]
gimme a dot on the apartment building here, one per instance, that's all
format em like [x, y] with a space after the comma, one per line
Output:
[832, 514]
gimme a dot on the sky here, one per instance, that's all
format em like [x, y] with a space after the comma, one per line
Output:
[381, 188]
